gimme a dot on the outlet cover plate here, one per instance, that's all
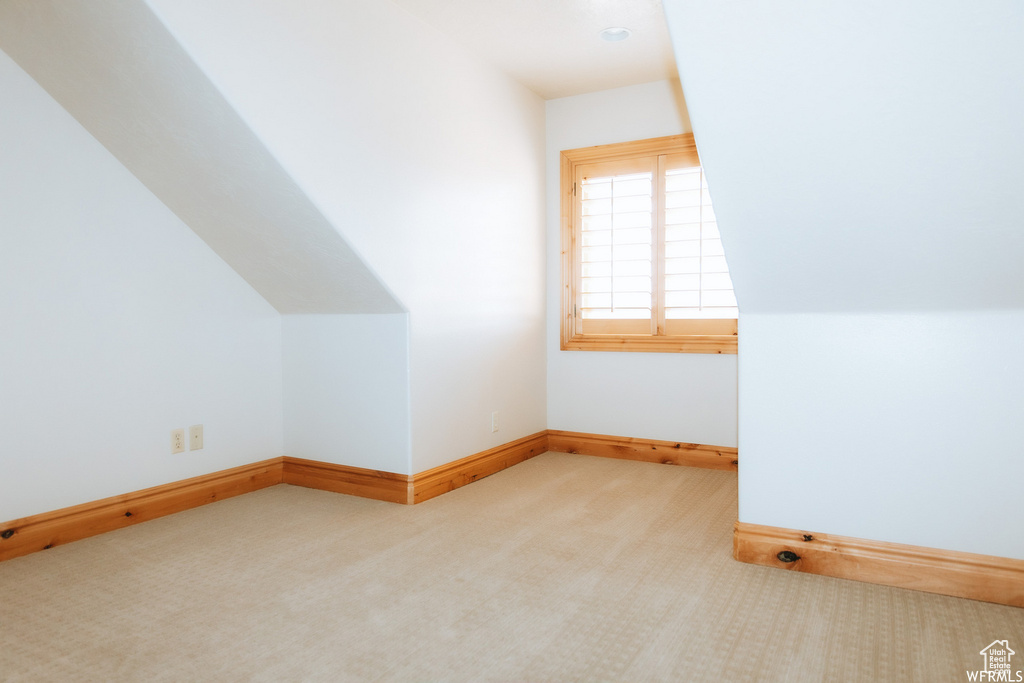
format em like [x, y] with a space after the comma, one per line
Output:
[177, 441]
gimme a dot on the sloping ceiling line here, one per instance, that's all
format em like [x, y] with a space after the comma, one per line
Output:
[115, 68]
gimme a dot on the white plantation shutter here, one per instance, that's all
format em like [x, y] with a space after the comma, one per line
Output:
[617, 251]
[627, 210]
[644, 263]
[697, 282]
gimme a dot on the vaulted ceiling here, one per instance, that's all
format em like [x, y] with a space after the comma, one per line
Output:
[121, 73]
[862, 156]
[115, 67]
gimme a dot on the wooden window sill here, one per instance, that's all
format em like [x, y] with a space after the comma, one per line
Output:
[706, 343]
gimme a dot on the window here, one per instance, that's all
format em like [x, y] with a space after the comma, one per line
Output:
[642, 260]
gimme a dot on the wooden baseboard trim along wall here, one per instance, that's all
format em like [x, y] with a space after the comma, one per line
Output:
[355, 481]
[966, 575]
[39, 532]
[433, 483]
[645, 450]
[401, 488]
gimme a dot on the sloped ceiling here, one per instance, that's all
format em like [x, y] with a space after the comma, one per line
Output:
[861, 156]
[118, 71]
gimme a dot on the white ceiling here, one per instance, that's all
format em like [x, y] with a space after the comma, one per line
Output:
[553, 46]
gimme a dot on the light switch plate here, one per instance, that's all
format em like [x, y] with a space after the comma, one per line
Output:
[195, 437]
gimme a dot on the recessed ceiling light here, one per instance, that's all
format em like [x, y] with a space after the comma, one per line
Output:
[614, 34]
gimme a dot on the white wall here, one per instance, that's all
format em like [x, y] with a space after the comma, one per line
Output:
[119, 325]
[675, 397]
[430, 163]
[865, 164]
[902, 427]
[346, 390]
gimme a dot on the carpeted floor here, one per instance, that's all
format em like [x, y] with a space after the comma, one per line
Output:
[563, 568]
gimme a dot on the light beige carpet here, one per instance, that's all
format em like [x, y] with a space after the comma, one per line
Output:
[563, 568]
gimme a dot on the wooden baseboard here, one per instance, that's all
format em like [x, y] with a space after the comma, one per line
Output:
[355, 481]
[965, 575]
[24, 536]
[646, 450]
[433, 483]
[39, 532]
[401, 488]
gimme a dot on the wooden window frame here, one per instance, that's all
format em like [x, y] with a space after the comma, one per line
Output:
[572, 336]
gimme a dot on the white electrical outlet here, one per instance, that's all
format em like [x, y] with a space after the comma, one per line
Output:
[494, 421]
[177, 441]
[195, 437]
